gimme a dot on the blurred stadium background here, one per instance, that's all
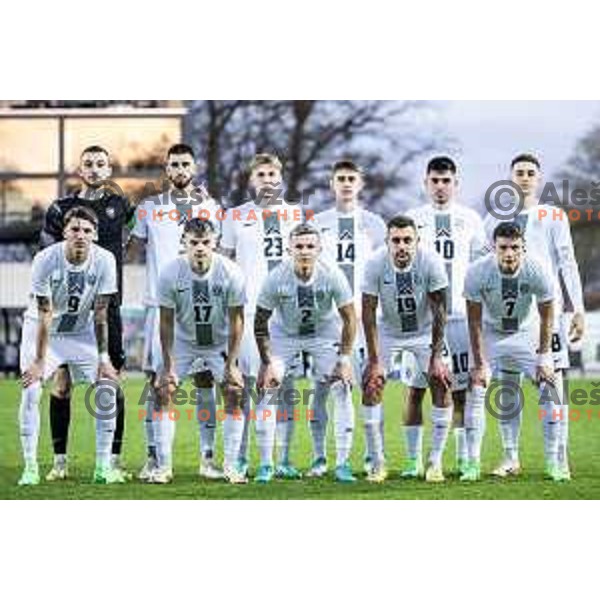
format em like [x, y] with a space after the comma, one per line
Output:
[41, 141]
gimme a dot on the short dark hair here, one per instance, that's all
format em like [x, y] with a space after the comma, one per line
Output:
[508, 229]
[81, 212]
[181, 149]
[526, 157]
[346, 164]
[441, 164]
[401, 221]
[199, 226]
[304, 229]
[96, 150]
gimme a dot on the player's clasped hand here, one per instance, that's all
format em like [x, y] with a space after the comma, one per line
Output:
[577, 328]
[374, 380]
[479, 377]
[343, 372]
[267, 376]
[165, 388]
[438, 371]
[107, 371]
[545, 373]
[32, 374]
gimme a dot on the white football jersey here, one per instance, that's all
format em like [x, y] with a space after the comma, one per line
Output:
[160, 221]
[548, 239]
[403, 294]
[306, 308]
[456, 234]
[260, 238]
[508, 300]
[201, 303]
[71, 288]
[349, 240]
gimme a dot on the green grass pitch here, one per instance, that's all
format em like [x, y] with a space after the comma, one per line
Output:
[585, 455]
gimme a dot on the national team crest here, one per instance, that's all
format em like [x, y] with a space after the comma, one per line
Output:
[111, 213]
[217, 290]
[91, 279]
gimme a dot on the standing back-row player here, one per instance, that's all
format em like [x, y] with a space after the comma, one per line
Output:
[66, 325]
[256, 237]
[548, 237]
[114, 214]
[350, 235]
[455, 232]
[159, 224]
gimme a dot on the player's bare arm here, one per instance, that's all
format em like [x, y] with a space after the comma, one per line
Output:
[480, 371]
[233, 374]
[545, 368]
[35, 371]
[374, 376]
[105, 368]
[343, 369]
[266, 375]
[167, 381]
[438, 370]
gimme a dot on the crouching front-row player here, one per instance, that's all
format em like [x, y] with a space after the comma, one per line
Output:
[67, 325]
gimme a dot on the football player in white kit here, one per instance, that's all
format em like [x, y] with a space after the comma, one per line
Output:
[159, 225]
[201, 297]
[501, 290]
[66, 325]
[455, 232]
[255, 236]
[305, 295]
[548, 236]
[411, 284]
[350, 234]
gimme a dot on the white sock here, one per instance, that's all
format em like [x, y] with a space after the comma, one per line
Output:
[372, 421]
[510, 424]
[248, 402]
[414, 441]
[164, 436]
[440, 420]
[233, 430]
[207, 420]
[266, 421]
[106, 420]
[475, 422]
[563, 422]
[318, 423]
[150, 405]
[460, 442]
[284, 431]
[343, 421]
[552, 412]
[29, 422]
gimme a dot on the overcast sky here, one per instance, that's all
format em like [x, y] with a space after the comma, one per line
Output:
[489, 133]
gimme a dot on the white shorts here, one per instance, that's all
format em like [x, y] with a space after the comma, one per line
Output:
[515, 353]
[190, 359]
[152, 362]
[78, 351]
[456, 352]
[324, 352]
[416, 354]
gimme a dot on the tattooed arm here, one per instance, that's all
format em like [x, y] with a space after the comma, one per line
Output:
[105, 368]
[35, 371]
[438, 371]
[479, 371]
[267, 376]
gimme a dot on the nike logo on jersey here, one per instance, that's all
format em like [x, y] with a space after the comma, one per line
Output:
[249, 224]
